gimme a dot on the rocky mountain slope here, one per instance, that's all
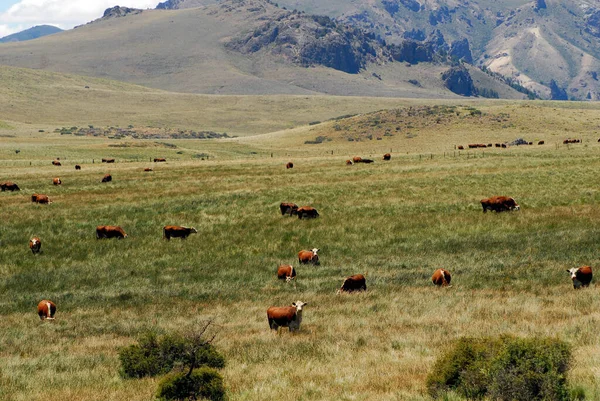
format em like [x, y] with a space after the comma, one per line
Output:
[31, 33]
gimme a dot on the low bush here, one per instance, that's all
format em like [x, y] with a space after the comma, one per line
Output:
[504, 368]
[203, 383]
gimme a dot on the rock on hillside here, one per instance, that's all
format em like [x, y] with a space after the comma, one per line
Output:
[459, 81]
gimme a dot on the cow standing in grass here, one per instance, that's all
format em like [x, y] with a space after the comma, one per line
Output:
[307, 212]
[110, 232]
[286, 272]
[178, 232]
[107, 178]
[582, 276]
[288, 208]
[9, 186]
[499, 204]
[306, 257]
[46, 309]
[56, 181]
[35, 245]
[354, 283]
[286, 316]
[441, 278]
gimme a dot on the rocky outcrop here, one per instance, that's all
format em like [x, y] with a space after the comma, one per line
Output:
[442, 15]
[414, 34]
[540, 4]
[117, 11]
[413, 52]
[169, 5]
[461, 50]
[458, 80]
[412, 5]
[556, 92]
[592, 23]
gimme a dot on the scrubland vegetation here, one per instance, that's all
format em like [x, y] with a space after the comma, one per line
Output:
[394, 221]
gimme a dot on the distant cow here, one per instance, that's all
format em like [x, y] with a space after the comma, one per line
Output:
[107, 178]
[499, 204]
[288, 208]
[56, 163]
[306, 257]
[307, 212]
[108, 160]
[581, 276]
[353, 283]
[357, 159]
[147, 169]
[367, 161]
[286, 316]
[286, 272]
[349, 162]
[387, 156]
[540, 142]
[159, 160]
[110, 232]
[566, 141]
[46, 309]
[77, 167]
[497, 145]
[9, 186]
[460, 147]
[56, 181]
[503, 145]
[35, 245]
[489, 145]
[441, 278]
[289, 165]
[178, 232]
[39, 198]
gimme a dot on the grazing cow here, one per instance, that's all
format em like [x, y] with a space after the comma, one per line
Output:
[387, 156]
[503, 145]
[306, 257]
[56, 181]
[46, 309]
[159, 160]
[38, 198]
[460, 147]
[499, 204]
[110, 232]
[566, 141]
[147, 169]
[307, 212]
[357, 159]
[107, 178]
[581, 276]
[353, 283]
[286, 316]
[35, 245]
[288, 208]
[77, 167]
[9, 186]
[540, 142]
[497, 145]
[178, 232]
[530, 143]
[367, 161]
[289, 165]
[441, 278]
[286, 272]
[349, 162]
[56, 163]
[489, 145]
[108, 160]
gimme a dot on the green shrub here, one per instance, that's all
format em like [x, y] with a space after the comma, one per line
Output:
[204, 383]
[142, 359]
[504, 368]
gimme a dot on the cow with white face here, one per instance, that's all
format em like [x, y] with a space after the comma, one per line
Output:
[581, 276]
[306, 257]
[286, 316]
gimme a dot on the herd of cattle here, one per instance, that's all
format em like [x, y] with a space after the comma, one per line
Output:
[287, 316]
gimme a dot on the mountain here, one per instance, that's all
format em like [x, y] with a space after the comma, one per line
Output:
[31, 33]
[246, 47]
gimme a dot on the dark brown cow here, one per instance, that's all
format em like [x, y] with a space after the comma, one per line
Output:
[160, 160]
[107, 178]
[349, 162]
[56, 181]
[9, 186]
[288, 208]
[460, 147]
[286, 316]
[566, 141]
[357, 159]
[387, 156]
[307, 212]
[77, 167]
[503, 145]
[441, 278]
[353, 283]
[35, 245]
[38, 198]
[499, 204]
[581, 276]
[56, 163]
[540, 142]
[489, 145]
[108, 160]
[306, 257]
[147, 169]
[286, 272]
[46, 309]
[110, 232]
[178, 232]
[367, 161]
[497, 145]
[289, 165]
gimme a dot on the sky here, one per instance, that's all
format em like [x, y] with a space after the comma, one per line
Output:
[18, 15]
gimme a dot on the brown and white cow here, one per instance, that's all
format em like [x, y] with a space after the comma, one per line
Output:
[77, 167]
[9, 186]
[581, 276]
[353, 283]
[160, 160]
[387, 156]
[441, 278]
[288, 208]
[178, 232]
[110, 232]
[56, 163]
[499, 204]
[107, 178]
[56, 181]
[46, 309]
[349, 162]
[39, 198]
[286, 316]
[286, 272]
[307, 212]
[35, 245]
[289, 165]
[306, 257]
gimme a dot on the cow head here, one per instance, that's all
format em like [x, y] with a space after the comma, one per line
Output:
[573, 272]
[193, 230]
[288, 279]
[516, 206]
[299, 305]
[315, 250]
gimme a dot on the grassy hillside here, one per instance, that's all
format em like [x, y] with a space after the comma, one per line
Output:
[396, 221]
[31, 33]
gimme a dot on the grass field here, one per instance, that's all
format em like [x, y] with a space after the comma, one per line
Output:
[396, 221]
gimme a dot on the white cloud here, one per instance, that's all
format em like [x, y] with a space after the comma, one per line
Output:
[62, 13]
